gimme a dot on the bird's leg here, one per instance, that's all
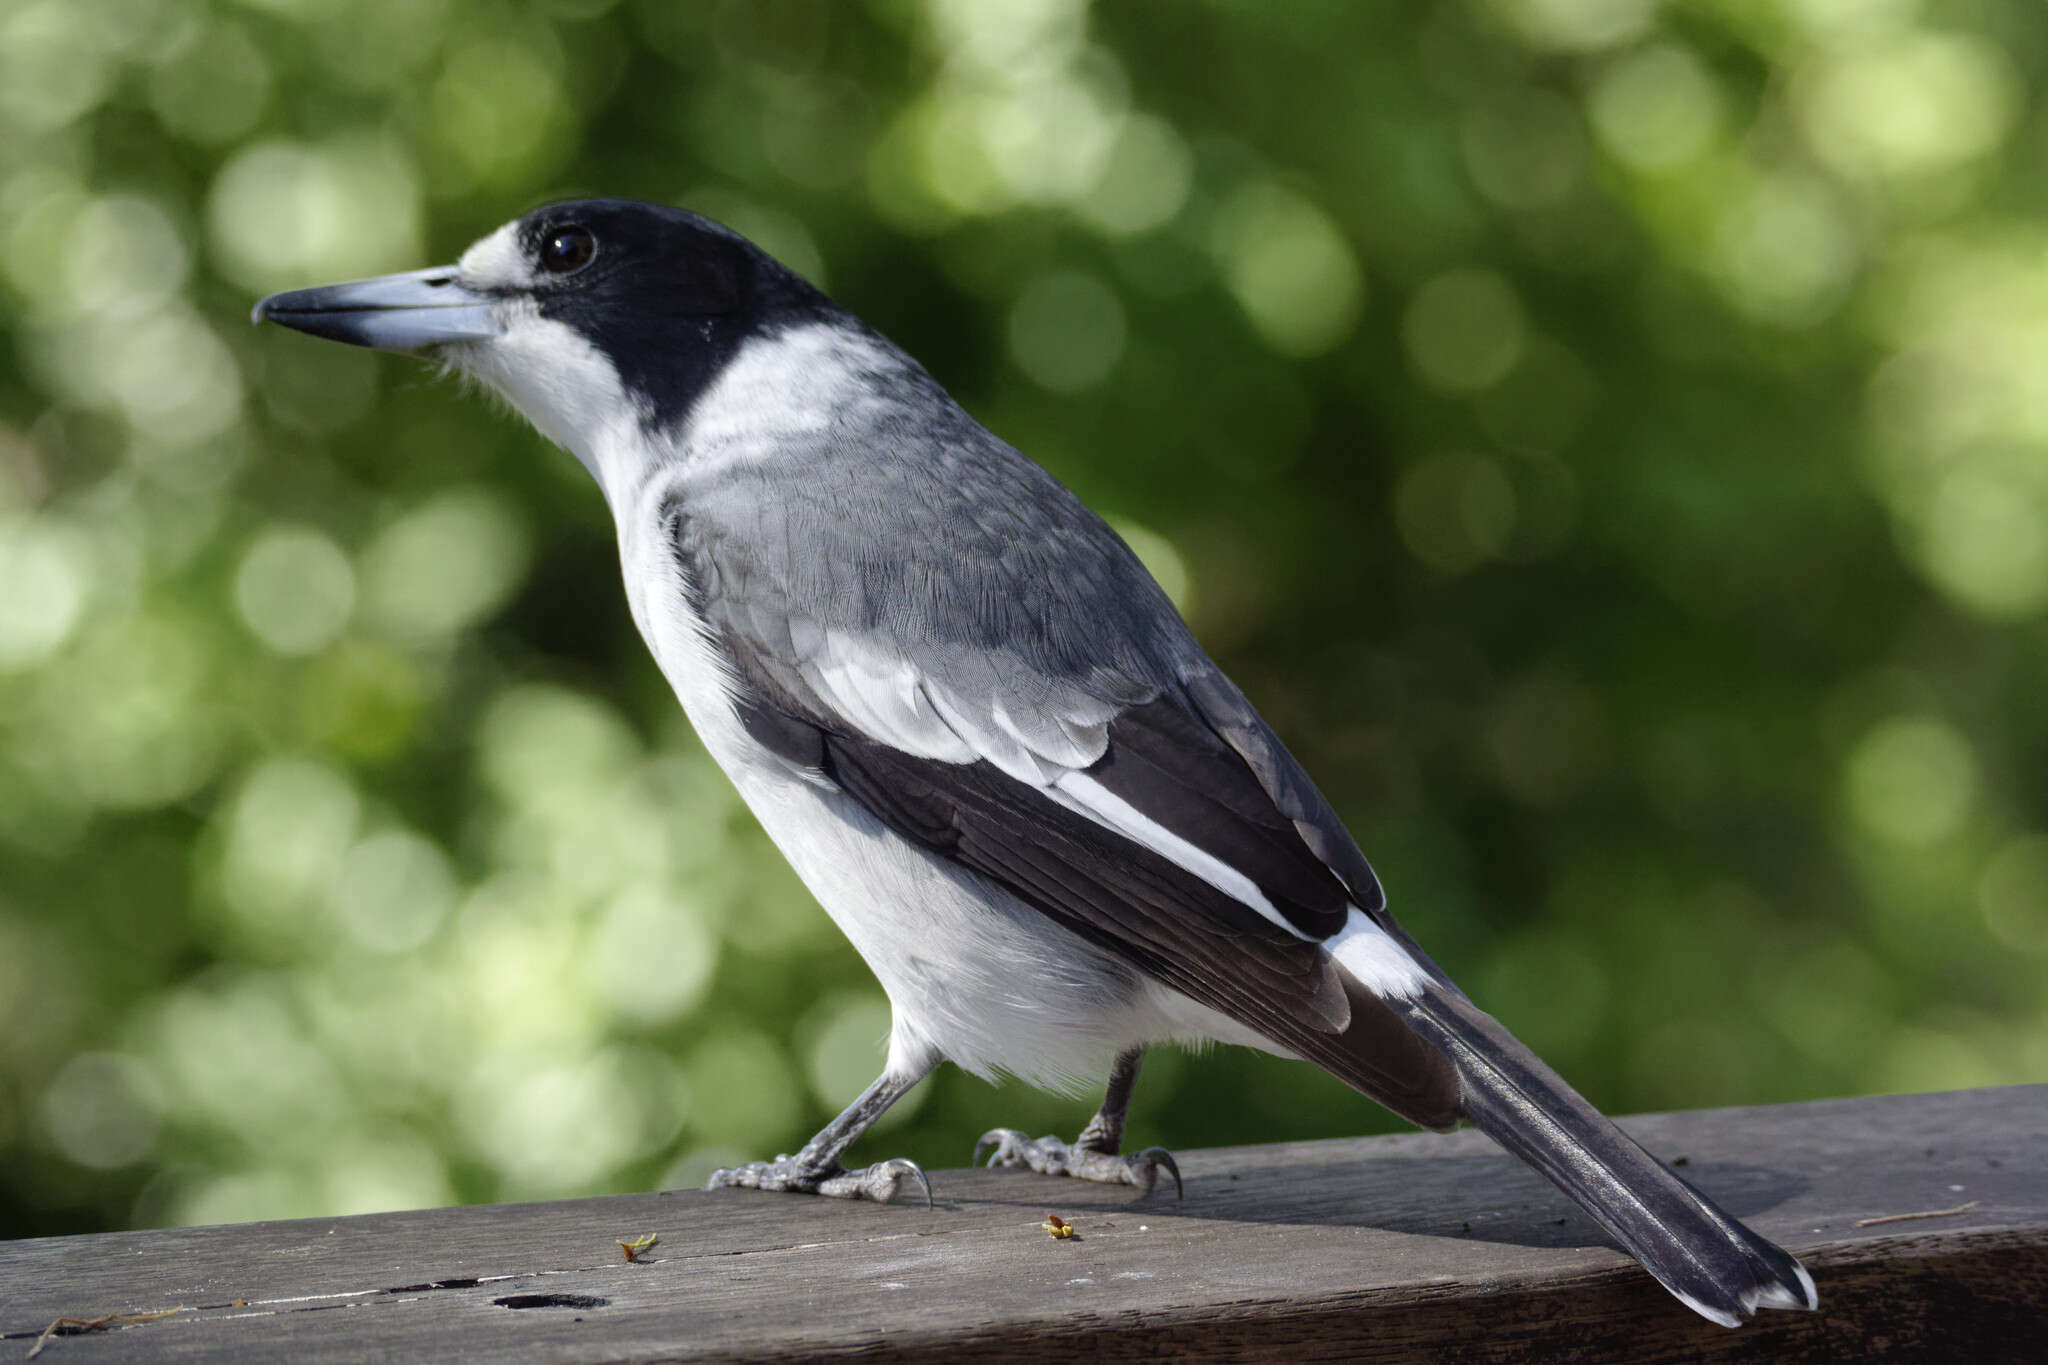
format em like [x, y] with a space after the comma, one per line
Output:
[1094, 1155]
[816, 1169]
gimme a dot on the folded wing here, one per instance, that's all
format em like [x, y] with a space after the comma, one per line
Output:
[1105, 798]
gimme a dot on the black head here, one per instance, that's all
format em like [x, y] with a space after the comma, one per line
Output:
[666, 296]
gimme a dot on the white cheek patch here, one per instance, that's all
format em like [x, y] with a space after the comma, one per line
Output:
[496, 262]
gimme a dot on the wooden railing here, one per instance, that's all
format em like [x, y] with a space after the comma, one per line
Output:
[1924, 1219]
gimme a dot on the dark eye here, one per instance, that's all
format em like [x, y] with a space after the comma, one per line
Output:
[567, 250]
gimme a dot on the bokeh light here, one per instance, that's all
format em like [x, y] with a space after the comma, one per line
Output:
[281, 212]
[1464, 330]
[1912, 780]
[1455, 510]
[1656, 108]
[653, 957]
[295, 589]
[1911, 104]
[443, 565]
[101, 1110]
[1066, 330]
[48, 567]
[1290, 268]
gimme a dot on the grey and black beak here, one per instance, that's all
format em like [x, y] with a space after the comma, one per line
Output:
[390, 313]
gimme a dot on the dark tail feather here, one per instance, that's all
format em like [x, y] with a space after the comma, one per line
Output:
[1715, 1265]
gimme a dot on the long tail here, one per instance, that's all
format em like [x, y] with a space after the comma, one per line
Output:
[1711, 1262]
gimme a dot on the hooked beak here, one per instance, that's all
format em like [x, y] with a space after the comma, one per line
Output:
[389, 313]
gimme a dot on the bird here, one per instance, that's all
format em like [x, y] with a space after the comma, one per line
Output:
[978, 729]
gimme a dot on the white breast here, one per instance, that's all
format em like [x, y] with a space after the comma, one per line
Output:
[660, 601]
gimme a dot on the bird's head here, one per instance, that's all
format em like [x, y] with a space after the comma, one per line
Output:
[595, 317]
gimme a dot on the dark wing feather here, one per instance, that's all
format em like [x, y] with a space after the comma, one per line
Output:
[1171, 925]
[1168, 763]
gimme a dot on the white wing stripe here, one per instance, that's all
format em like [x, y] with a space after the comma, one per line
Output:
[1091, 798]
[1361, 947]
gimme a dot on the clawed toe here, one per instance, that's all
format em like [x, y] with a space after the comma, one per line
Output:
[1141, 1171]
[1013, 1148]
[880, 1183]
[1050, 1156]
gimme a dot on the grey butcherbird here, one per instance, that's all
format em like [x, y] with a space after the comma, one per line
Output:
[976, 727]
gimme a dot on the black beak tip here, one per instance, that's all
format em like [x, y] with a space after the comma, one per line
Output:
[296, 303]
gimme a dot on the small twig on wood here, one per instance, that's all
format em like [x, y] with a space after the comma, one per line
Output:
[633, 1248]
[78, 1327]
[1911, 1217]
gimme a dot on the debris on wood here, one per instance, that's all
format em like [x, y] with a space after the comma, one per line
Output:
[78, 1327]
[1058, 1228]
[633, 1248]
[1915, 1217]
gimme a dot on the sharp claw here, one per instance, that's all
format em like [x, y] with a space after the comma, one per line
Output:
[1165, 1158]
[923, 1180]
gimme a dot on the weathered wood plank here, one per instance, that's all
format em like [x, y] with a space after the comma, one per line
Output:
[1414, 1247]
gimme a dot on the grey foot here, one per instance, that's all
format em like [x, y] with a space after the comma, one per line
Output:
[881, 1182]
[1050, 1156]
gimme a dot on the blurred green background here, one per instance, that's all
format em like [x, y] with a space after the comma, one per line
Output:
[1608, 439]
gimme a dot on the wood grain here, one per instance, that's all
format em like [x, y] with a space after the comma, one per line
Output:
[1415, 1247]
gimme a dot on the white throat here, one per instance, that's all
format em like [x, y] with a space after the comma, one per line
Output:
[554, 377]
[571, 393]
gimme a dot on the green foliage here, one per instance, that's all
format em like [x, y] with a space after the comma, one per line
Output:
[1607, 438]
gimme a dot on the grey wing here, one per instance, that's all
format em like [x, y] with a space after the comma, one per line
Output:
[964, 605]
[980, 662]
